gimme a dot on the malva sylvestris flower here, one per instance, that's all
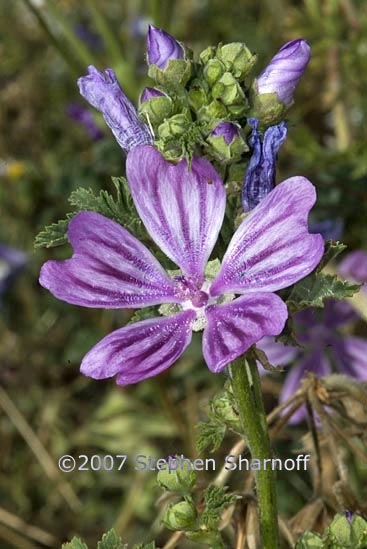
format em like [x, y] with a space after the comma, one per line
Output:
[228, 130]
[183, 212]
[103, 92]
[260, 172]
[285, 70]
[324, 345]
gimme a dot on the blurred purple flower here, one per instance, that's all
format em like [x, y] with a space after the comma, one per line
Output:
[103, 92]
[149, 93]
[92, 39]
[354, 268]
[260, 172]
[228, 130]
[284, 71]
[162, 47]
[325, 345]
[330, 229]
[110, 268]
[83, 116]
[12, 261]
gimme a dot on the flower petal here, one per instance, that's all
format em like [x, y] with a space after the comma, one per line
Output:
[110, 268]
[140, 350]
[233, 327]
[315, 362]
[278, 354]
[182, 209]
[350, 355]
[272, 247]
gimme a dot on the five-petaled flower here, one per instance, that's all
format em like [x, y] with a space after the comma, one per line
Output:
[324, 346]
[183, 211]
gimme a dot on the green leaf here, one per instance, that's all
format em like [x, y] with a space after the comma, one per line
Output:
[216, 501]
[315, 288]
[309, 540]
[144, 314]
[75, 543]
[53, 235]
[287, 336]
[210, 436]
[332, 250]
[111, 540]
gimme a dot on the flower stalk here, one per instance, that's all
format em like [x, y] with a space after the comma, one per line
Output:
[247, 392]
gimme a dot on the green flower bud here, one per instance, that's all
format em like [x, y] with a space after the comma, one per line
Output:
[207, 54]
[237, 59]
[228, 90]
[181, 516]
[198, 96]
[212, 538]
[222, 407]
[175, 75]
[226, 143]
[347, 533]
[175, 126]
[178, 477]
[266, 107]
[213, 70]
[156, 109]
[215, 111]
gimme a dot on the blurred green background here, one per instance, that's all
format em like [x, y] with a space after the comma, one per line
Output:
[47, 408]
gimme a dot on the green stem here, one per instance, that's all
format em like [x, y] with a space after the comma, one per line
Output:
[247, 392]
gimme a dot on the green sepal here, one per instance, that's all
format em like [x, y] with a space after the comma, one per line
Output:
[180, 481]
[237, 58]
[174, 76]
[309, 540]
[75, 543]
[212, 113]
[110, 540]
[225, 153]
[181, 516]
[228, 90]
[175, 126]
[207, 54]
[213, 70]
[266, 107]
[156, 109]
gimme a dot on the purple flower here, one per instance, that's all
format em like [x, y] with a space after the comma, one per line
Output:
[85, 118]
[11, 263]
[150, 93]
[331, 229]
[284, 71]
[228, 130]
[354, 268]
[260, 172]
[183, 212]
[324, 346]
[92, 39]
[162, 47]
[104, 93]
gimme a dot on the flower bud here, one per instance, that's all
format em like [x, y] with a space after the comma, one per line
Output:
[104, 93]
[155, 106]
[162, 47]
[181, 516]
[228, 90]
[236, 58]
[149, 93]
[284, 71]
[213, 70]
[174, 127]
[260, 173]
[222, 407]
[178, 477]
[226, 142]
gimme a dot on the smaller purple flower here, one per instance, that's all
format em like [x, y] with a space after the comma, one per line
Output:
[325, 347]
[103, 92]
[260, 172]
[12, 261]
[331, 229]
[228, 130]
[80, 114]
[162, 47]
[284, 71]
[354, 268]
[150, 93]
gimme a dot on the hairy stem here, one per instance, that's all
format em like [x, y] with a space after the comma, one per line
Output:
[247, 392]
